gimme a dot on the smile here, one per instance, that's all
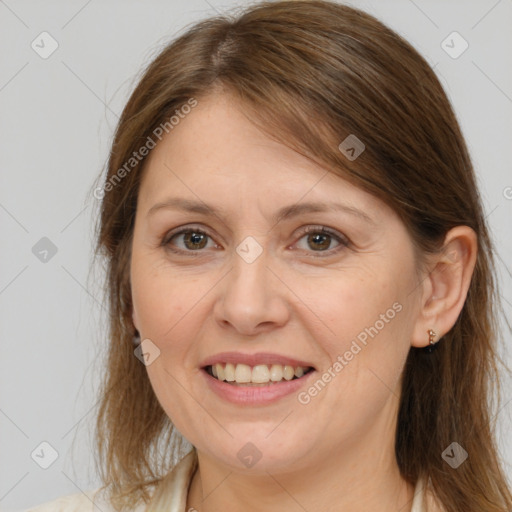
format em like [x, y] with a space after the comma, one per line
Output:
[261, 374]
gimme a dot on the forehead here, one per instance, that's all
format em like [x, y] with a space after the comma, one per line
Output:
[218, 135]
[215, 153]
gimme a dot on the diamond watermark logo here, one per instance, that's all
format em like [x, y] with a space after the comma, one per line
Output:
[454, 455]
[454, 45]
[44, 455]
[44, 250]
[147, 352]
[249, 249]
[352, 147]
[44, 45]
[249, 455]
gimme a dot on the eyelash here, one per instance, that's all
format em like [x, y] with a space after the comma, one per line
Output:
[343, 242]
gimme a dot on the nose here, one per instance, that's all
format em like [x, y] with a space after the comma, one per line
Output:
[251, 299]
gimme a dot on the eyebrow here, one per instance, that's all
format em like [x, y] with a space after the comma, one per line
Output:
[287, 212]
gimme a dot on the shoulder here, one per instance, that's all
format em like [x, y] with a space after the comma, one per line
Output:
[424, 497]
[72, 503]
[174, 484]
[432, 504]
[81, 502]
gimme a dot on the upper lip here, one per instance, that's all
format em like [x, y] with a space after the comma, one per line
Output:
[254, 359]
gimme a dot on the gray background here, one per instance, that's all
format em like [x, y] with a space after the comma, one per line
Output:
[57, 120]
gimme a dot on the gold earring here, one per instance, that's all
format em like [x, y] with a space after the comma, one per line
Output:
[431, 336]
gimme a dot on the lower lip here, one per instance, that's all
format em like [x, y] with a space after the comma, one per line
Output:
[255, 395]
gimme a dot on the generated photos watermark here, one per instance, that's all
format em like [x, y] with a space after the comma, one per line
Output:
[305, 397]
[143, 151]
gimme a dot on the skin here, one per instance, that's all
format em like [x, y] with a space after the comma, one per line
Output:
[337, 451]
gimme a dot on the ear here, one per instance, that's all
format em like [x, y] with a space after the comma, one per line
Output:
[445, 288]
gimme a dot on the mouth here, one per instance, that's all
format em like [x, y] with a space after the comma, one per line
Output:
[256, 376]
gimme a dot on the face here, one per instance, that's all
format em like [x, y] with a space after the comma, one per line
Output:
[250, 262]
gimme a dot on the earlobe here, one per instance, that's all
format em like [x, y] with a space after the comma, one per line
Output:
[445, 288]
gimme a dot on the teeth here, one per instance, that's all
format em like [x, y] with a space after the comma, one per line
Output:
[259, 374]
[276, 373]
[229, 372]
[243, 373]
[220, 372]
[288, 372]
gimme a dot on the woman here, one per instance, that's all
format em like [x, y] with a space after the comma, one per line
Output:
[300, 279]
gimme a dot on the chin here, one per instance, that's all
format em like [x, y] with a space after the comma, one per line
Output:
[259, 453]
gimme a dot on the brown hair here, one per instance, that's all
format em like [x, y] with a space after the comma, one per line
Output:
[310, 73]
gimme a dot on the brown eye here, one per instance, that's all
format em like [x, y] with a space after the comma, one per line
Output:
[188, 240]
[320, 241]
[195, 240]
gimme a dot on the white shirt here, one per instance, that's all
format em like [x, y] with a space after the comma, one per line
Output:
[178, 480]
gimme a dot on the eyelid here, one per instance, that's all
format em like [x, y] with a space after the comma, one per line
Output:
[324, 229]
[340, 238]
[165, 243]
[184, 229]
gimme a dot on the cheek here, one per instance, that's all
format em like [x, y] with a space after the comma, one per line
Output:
[172, 310]
[157, 309]
[162, 297]
[366, 330]
[352, 307]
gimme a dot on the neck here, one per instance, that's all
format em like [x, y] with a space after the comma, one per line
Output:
[355, 480]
